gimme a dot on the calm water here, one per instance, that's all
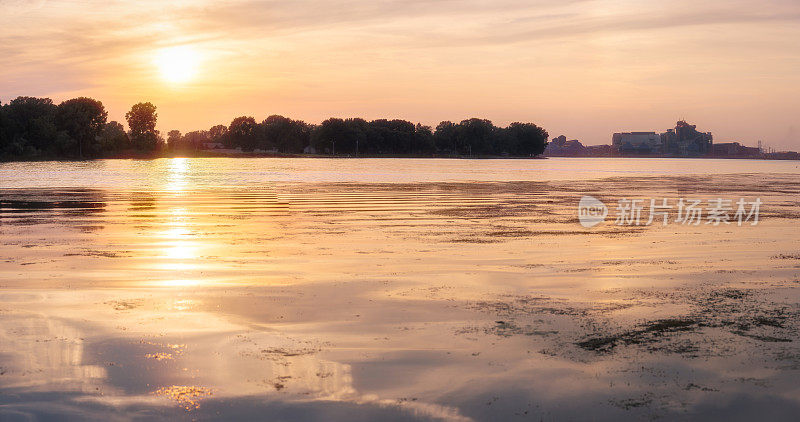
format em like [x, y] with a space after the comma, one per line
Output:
[213, 172]
[395, 289]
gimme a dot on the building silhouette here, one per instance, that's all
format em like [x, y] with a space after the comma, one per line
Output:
[735, 149]
[686, 140]
[637, 143]
[682, 141]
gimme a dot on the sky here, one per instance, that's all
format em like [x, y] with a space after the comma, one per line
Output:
[584, 69]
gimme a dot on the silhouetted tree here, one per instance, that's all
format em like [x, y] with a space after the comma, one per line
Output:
[113, 138]
[36, 128]
[285, 134]
[194, 140]
[243, 133]
[525, 139]
[340, 136]
[390, 137]
[174, 140]
[423, 140]
[82, 119]
[323, 139]
[32, 127]
[218, 134]
[142, 123]
[445, 138]
[474, 136]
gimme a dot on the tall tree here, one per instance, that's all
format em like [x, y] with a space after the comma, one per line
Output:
[423, 140]
[445, 137]
[390, 137]
[340, 136]
[474, 136]
[113, 138]
[142, 123]
[174, 140]
[324, 137]
[32, 128]
[243, 133]
[83, 119]
[218, 133]
[526, 139]
[285, 134]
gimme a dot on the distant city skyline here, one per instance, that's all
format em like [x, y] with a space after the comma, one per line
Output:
[582, 68]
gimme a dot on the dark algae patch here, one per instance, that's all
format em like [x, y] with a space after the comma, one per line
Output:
[647, 334]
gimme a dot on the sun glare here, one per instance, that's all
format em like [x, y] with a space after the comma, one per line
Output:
[178, 64]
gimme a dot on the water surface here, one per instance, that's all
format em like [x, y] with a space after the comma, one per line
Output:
[313, 289]
[246, 172]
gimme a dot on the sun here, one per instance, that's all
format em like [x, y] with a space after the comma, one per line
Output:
[178, 64]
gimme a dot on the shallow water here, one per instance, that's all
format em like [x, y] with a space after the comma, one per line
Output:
[312, 289]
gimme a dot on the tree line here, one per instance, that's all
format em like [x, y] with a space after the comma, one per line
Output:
[37, 128]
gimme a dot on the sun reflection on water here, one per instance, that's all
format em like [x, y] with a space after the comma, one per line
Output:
[176, 179]
[178, 252]
[180, 283]
[187, 396]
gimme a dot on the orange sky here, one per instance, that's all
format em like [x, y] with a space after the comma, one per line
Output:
[580, 68]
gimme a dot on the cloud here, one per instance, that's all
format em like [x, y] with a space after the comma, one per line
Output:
[321, 55]
[69, 33]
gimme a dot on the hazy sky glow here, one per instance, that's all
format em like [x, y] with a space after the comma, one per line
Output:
[581, 68]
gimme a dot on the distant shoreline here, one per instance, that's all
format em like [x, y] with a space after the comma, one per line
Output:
[708, 157]
[213, 154]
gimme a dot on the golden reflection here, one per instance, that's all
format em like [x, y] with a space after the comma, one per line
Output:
[187, 396]
[185, 304]
[180, 283]
[179, 213]
[159, 356]
[176, 232]
[176, 266]
[177, 250]
[176, 179]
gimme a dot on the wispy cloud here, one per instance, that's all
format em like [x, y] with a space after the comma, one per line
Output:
[419, 57]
